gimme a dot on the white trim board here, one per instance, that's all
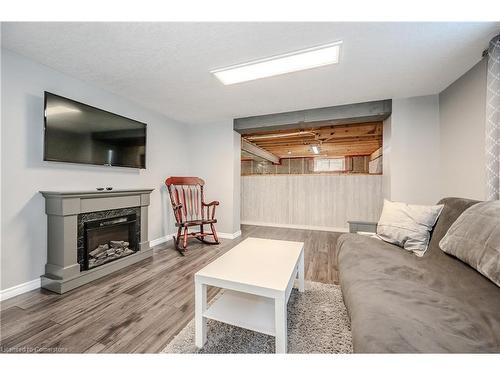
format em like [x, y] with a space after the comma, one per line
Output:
[159, 241]
[297, 226]
[19, 289]
[230, 236]
[168, 237]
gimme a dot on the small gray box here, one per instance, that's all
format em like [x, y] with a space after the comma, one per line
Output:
[356, 226]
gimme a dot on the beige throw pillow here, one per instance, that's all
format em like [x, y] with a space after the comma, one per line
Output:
[408, 225]
[474, 238]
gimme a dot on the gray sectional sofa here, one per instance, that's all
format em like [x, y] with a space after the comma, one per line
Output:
[399, 303]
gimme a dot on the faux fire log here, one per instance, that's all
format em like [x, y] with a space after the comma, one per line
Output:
[118, 244]
[99, 250]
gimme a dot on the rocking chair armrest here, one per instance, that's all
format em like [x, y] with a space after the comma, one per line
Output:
[213, 203]
[210, 212]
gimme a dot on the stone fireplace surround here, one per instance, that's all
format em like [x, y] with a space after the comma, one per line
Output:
[65, 210]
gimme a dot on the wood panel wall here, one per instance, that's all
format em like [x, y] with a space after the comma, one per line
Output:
[310, 201]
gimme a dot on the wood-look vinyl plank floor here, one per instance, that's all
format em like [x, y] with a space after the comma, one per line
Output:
[138, 309]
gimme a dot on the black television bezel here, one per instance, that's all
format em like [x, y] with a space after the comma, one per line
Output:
[99, 109]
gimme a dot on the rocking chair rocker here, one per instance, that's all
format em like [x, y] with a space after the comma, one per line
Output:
[190, 209]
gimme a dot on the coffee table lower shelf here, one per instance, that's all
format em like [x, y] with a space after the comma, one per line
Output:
[243, 310]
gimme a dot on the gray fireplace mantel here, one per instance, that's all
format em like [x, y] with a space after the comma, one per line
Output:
[62, 271]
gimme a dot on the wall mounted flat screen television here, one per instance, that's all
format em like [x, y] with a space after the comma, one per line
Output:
[79, 133]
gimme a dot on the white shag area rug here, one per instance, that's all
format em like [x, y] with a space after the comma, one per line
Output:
[317, 323]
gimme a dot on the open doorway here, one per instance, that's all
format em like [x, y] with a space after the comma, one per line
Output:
[314, 148]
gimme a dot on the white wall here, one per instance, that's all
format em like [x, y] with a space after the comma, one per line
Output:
[24, 224]
[213, 152]
[462, 117]
[414, 156]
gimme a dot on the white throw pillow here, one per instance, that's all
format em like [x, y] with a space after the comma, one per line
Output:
[408, 225]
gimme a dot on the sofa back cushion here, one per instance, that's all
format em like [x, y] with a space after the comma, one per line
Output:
[474, 238]
[453, 208]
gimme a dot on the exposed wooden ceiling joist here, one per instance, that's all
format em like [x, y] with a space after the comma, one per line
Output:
[329, 150]
[333, 141]
[289, 142]
[368, 128]
[258, 151]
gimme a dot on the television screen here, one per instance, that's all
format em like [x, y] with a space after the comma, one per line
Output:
[78, 133]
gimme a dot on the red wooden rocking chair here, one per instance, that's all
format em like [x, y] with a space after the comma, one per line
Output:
[190, 209]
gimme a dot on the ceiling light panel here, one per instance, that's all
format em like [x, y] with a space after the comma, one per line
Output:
[273, 66]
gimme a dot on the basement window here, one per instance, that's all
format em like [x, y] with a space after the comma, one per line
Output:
[329, 165]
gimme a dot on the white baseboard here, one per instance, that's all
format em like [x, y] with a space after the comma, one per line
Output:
[229, 236]
[168, 237]
[159, 241]
[19, 289]
[297, 226]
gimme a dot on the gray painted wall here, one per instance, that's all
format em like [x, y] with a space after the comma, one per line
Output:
[386, 152]
[462, 118]
[24, 224]
[236, 181]
[213, 149]
[413, 175]
[434, 145]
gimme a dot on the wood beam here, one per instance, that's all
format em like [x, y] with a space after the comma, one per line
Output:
[350, 131]
[376, 154]
[372, 143]
[288, 142]
[365, 148]
[259, 151]
[325, 128]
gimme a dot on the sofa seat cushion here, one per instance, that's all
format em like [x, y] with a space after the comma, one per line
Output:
[401, 303]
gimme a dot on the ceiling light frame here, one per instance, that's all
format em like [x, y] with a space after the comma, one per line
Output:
[326, 54]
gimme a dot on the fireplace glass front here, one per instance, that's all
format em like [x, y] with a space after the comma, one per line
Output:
[109, 239]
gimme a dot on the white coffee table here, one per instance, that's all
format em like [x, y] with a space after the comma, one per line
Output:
[257, 276]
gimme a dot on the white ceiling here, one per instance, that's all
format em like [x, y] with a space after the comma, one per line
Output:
[165, 66]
